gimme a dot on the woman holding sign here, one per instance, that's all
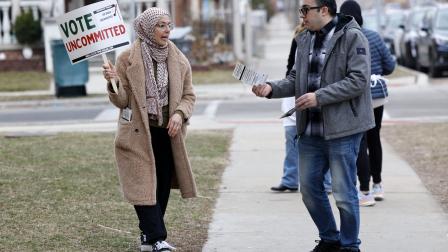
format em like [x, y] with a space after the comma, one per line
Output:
[155, 97]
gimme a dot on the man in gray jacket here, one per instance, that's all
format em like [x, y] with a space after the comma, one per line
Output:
[330, 81]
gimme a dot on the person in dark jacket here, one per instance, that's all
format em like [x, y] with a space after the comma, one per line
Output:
[382, 63]
[330, 82]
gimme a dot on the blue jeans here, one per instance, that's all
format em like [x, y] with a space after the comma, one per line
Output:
[291, 163]
[339, 155]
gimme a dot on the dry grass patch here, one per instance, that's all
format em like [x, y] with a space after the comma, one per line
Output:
[213, 77]
[61, 193]
[24, 81]
[26, 98]
[425, 148]
[42, 97]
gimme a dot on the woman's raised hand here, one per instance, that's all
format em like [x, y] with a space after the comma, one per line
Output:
[109, 72]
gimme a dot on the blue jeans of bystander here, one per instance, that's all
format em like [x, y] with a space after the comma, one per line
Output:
[290, 164]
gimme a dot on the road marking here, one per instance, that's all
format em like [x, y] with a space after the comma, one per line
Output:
[110, 114]
[423, 119]
[210, 110]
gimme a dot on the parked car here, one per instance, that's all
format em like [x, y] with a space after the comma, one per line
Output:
[411, 31]
[373, 22]
[433, 41]
[392, 31]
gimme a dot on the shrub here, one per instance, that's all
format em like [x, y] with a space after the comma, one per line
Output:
[26, 29]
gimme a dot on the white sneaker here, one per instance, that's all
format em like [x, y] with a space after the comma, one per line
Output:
[145, 248]
[162, 246]
[366, 199]
[378, 192]
[145, 245]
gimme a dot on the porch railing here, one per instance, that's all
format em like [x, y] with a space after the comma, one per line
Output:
[8, 14]
[42, 9]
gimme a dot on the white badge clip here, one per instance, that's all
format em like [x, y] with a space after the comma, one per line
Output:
[127, 114]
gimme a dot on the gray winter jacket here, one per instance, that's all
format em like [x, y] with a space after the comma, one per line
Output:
[344, 95]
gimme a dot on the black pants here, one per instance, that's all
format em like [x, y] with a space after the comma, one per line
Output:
[363, 166]
[151, 221]
[371, 163]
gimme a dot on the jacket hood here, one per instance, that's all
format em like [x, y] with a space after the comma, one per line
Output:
[346, 22]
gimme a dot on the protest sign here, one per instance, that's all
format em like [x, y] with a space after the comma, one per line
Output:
[92, 30]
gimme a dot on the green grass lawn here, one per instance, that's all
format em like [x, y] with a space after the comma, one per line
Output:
[29, 80]
[41, 97]
[213, 77]
[24, 81]
[61, 193]
[27, 98]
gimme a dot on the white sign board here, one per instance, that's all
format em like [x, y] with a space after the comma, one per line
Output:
[92, 30]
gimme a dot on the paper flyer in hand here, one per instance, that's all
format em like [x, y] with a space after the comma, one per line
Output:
[248, 76]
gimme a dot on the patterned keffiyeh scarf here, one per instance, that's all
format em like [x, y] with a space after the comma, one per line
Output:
[156, 89]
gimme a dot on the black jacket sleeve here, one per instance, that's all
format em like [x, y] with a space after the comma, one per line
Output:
[291, 57]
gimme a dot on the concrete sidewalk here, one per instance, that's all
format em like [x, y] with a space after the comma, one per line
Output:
[248, 217]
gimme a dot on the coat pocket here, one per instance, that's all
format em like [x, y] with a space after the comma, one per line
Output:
[352, 107]
[123, 137]
[340, 117]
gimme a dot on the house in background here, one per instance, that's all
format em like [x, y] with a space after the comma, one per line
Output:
[210, 23]
[45, 11]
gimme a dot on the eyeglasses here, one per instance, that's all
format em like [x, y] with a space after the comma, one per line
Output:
[164, 27]
[305, 9]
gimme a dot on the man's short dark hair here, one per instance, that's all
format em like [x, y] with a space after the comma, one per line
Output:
[331, 5]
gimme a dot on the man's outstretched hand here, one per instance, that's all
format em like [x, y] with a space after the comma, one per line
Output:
[262, 90]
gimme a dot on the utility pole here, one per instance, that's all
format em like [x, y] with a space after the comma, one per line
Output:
[162, 4]
[379, 13]
[237, 38]
[15, 10]
[133, 14]
[248, 35]
[195, 10]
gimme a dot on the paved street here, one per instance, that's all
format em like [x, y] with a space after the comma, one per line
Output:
[407, 103]
[419, 103]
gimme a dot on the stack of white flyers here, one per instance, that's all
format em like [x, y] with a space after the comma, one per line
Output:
[248, 75]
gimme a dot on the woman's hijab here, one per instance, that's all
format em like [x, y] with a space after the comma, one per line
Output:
[156, 84]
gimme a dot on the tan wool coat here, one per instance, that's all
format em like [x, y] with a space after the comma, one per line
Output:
[133, 150]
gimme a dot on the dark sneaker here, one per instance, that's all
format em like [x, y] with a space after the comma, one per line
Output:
[282, 188]
[162, 246]
[349, 250]
[326, 247]
[145, 246]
